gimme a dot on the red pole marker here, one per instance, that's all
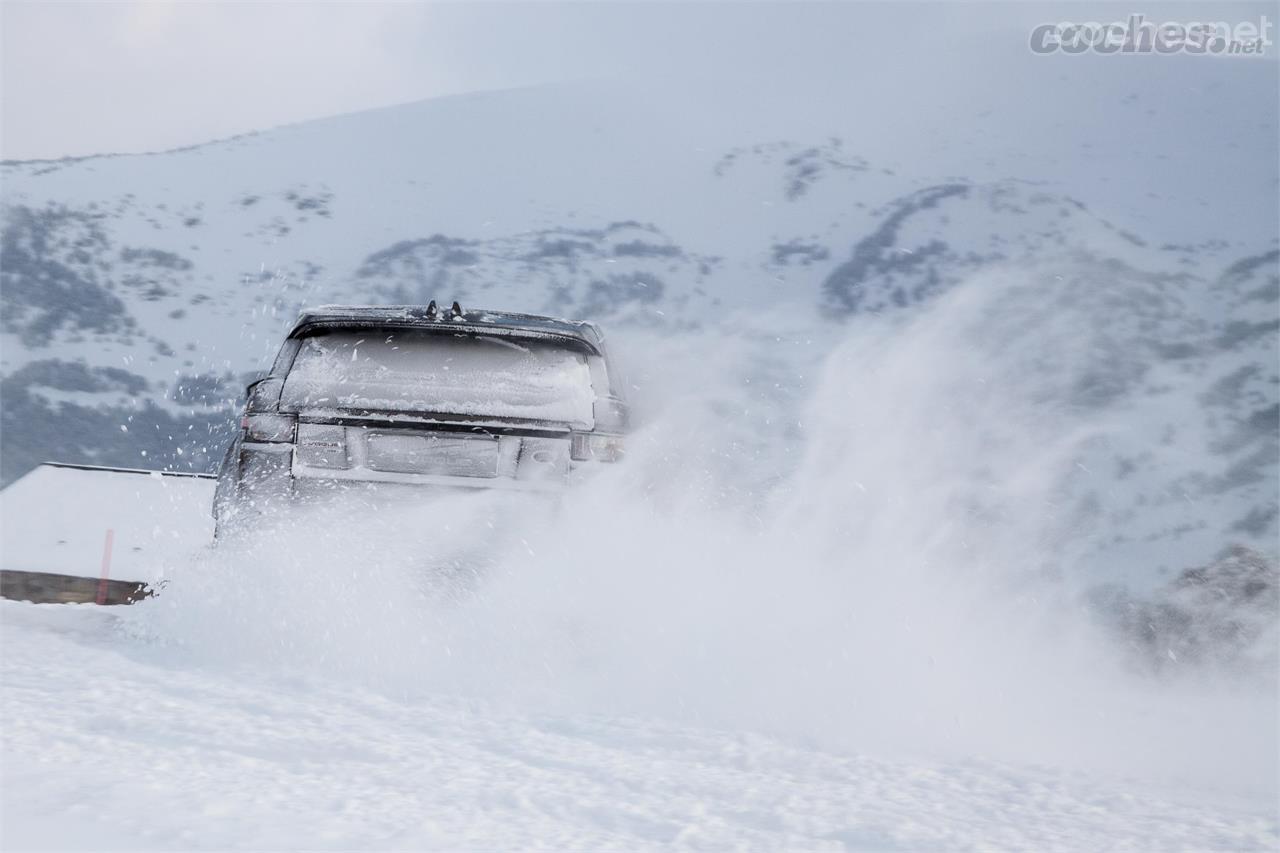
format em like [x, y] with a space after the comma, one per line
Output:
[106, 566]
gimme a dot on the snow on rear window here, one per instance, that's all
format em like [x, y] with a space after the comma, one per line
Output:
[411, 371]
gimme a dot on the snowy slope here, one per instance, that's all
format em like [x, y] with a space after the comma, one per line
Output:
[229, 762]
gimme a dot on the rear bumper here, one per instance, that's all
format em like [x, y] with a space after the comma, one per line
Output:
[269, 472]
[305, 480]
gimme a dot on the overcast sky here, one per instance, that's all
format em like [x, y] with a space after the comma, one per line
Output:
[99, 76]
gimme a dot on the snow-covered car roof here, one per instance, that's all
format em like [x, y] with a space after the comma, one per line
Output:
[431, 317]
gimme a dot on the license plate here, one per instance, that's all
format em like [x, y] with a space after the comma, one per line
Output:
[434, 453]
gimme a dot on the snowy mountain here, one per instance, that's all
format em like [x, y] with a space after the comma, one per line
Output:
[141, 292]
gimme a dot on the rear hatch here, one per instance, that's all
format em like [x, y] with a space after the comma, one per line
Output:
[427, 406]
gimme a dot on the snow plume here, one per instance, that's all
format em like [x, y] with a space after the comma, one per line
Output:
[872, 536]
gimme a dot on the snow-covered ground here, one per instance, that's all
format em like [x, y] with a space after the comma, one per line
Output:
[108, 747]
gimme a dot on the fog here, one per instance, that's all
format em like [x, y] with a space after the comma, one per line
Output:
[127, 77]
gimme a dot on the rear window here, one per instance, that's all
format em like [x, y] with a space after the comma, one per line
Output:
[416, 371]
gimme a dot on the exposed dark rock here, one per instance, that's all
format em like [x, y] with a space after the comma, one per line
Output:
[795, 252]
[1223, 615]
[36, 429]
[878, 255]
[49, 277]
[607, 296]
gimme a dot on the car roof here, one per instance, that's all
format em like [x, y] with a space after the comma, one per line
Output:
[430, 317]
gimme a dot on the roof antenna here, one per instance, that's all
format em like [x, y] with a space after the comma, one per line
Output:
[431, 310]
[456, 310]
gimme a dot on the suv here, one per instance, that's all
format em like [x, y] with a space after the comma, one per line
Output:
[419, 396]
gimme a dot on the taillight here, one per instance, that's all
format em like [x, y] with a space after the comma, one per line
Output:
[585, 446]
[268, 427]
[261, 421]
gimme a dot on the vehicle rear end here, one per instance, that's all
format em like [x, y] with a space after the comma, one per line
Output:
[384, 402]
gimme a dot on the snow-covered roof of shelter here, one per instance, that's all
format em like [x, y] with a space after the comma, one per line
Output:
[55, 519]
